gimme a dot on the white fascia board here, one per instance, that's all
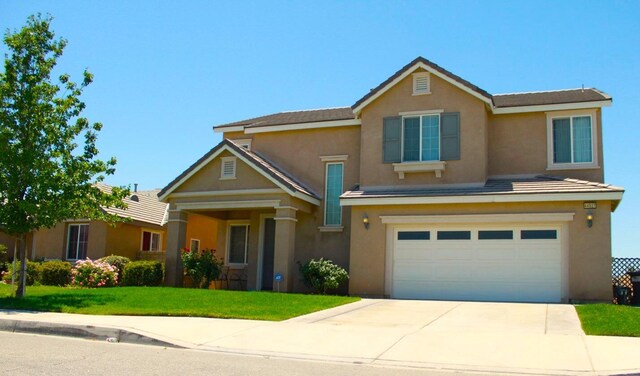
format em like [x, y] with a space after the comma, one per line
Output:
[237, 128]
[210, 205]
[430, 70]
[473, 199]
[552, 107]
[300, 126]
[478, 218]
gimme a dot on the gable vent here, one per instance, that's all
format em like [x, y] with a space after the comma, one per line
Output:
[421, 83]
[228, 168]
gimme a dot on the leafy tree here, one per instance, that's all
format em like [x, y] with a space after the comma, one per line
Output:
[45, 177]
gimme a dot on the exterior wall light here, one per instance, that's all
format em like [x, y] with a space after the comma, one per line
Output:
[589, 219]
[365, 221]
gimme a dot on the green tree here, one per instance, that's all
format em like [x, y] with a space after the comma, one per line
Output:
[45, 177]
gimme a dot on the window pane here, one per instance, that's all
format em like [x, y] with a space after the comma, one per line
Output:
[146, 240]
[414, 235]
[72, 242]
[538, 234]
[582, 139]
[333, 210]
[155, 242]
[562, 140]
[411, 142]
[454, 235]
[195, 245]
[238, 244]
[495, 235]
[431, 138]
[83, 242]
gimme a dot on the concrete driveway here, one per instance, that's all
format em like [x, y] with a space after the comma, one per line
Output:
[493, 337]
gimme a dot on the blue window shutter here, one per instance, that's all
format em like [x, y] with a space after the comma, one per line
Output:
[391, 138]
[450, 136]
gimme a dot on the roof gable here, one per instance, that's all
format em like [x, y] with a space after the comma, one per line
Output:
[260, 164]
[430, 67]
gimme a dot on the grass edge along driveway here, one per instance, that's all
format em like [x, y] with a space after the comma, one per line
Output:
[609, 320]
[167, 301]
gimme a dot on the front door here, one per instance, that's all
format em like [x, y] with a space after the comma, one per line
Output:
[268, 252]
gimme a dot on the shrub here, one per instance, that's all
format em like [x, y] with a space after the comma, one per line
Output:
[34, 273]
[56, 273]
[88, 273]
[118, 262]
[322, 275]
[4, 266]
[143, 273]
[203, 266]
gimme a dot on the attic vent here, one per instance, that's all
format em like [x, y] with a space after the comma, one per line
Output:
[135, 198]
[228, 170]
[421, 83]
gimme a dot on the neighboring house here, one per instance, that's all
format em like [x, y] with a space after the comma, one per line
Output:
[428, 187]
[143, 236]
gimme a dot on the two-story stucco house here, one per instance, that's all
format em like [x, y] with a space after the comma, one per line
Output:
[428, 187]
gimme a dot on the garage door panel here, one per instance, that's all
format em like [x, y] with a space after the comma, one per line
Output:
[486, 270]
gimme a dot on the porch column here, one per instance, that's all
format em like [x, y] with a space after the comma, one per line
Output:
[176, 237]
[285, 246]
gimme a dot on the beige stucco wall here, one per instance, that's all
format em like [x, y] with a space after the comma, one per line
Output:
[125, 240]
[472, 166]
[518, 146]
[589, 252]
[204, 229]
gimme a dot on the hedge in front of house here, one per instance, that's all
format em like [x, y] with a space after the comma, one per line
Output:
[34, 273]
[56, 273]
[143, 273]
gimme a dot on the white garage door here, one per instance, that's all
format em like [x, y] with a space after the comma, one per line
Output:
[484, 263]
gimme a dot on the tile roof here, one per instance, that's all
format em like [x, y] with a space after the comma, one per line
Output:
[549, 97]
[258, 161]
[432, 65]
[295, 117]
[142, 206]
[540, 184]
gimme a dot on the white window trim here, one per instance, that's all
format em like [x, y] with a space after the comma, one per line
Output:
[69, 239]
[151, 240]
[191, 244]
[326, 191]
[223, 160]
[415, 76]
[594, 140]
[237, 223]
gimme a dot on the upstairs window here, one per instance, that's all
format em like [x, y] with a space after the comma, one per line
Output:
[421, 137]
[421, 83]
[333, 190]
[228, 169]
[571, 141]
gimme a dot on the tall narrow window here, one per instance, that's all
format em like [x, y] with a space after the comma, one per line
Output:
[150, 241]
[333, 190]
[77, 241]
[195, 245]
[238, 242]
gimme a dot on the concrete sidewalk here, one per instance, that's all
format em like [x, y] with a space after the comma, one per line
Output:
[488, 337]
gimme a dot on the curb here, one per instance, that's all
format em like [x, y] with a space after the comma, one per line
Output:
[81, 331]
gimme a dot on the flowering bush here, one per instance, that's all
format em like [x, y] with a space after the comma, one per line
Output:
[322, 275]
[203, 266]
[87, 273]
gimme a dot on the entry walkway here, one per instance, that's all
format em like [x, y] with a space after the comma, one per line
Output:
[489, 337]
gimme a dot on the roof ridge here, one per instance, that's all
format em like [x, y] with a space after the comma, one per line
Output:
[544, 91]
[312, 109]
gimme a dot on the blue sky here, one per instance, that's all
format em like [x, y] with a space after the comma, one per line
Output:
[166, 72]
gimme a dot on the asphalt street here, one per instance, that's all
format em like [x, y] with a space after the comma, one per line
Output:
[30, 354]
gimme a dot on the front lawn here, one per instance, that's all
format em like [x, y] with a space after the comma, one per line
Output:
[166, 301]
[610, 320]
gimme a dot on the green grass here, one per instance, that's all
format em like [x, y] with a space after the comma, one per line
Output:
[166, 301]
[610, 320]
